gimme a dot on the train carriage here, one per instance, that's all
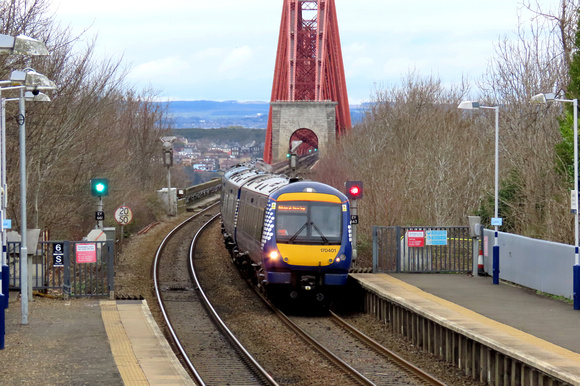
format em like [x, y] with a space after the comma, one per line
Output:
[293, 237]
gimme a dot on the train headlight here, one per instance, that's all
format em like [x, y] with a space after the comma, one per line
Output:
[274, 255]
[343, 257]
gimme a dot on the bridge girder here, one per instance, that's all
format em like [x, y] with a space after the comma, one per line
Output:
[309, 64]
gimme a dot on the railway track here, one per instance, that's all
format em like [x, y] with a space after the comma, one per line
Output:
[212, 354]
[361, 358]
[213, 358]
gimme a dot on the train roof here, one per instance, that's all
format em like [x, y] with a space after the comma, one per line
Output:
[267, 184]
[310, 186]
[241, 175]
[262, 182]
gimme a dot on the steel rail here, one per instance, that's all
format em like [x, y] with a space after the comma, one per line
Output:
[217, 320]
[384, 351]
[175, 338]
[357, 376]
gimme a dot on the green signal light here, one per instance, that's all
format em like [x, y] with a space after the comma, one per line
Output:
[99, 187]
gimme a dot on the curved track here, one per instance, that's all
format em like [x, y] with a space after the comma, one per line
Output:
[209, 350]
[361, 358]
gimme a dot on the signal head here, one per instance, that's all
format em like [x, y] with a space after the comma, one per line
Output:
[99, 187]
[354, 190]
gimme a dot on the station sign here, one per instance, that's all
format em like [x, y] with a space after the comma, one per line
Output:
[436, 237]
[415, 239]
[86, 253]
[58, 255]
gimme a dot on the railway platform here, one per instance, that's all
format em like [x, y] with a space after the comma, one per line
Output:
[498, 334]
[87, 341]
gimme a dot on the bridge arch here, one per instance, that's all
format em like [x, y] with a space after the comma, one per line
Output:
[309, 141]
[289, 118]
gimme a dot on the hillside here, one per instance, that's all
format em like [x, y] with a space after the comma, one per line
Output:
[231, 135]
[214, 114]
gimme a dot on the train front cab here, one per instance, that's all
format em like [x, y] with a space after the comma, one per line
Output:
[307, 246]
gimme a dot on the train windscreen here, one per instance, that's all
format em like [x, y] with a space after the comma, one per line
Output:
[308, 222]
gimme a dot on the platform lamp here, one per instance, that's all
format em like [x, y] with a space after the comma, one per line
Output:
[543, 99]
[496, 221]
[26, 80]
[10, 45]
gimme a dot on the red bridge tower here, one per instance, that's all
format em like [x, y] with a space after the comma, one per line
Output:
[309, 101]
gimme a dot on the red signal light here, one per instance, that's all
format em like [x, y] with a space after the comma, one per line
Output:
[354, 190]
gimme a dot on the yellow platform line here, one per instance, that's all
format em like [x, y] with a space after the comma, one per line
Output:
[125, 358]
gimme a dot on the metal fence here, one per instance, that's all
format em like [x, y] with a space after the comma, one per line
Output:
[422, 249]
[68, 268]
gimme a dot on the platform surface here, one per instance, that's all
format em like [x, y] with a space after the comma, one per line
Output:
[84, 341]
[507, 317]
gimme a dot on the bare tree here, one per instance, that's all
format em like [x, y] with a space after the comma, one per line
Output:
[417, 155]
[96, 125]
[534, 196]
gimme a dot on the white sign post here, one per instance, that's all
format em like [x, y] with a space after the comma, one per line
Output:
[123, 216]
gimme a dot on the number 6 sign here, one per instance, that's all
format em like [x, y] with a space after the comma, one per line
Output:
[123, 215]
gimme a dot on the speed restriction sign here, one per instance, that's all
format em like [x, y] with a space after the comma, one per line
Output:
[123, 215]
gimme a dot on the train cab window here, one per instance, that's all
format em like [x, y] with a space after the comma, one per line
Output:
[307, 222]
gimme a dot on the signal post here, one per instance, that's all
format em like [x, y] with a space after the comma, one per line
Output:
[354, 192]
[100, 188]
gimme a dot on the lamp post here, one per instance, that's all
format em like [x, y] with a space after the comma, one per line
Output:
[542, 99]
[10, 45]
[24, 81]
[496, 221]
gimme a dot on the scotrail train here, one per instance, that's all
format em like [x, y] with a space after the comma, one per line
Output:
[293, 238]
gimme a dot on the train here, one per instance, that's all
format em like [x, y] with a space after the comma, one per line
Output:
[291, 237]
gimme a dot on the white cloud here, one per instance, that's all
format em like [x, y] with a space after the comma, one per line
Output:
[236, 59]
[208, 53]
[160, 68]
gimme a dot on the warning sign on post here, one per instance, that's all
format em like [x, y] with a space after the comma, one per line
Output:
[415, 239]
[86, 253]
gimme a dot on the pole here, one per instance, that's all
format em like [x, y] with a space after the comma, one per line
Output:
[100, 209]
[496, 241]
[4, 273]
[576, 270]
[169, 195]
[23, 225]
[354, 212]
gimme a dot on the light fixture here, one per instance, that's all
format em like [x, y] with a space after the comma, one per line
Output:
[545, 98]
[21, 45]
[496, 221]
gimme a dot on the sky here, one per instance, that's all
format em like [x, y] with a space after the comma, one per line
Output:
[226, 49]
